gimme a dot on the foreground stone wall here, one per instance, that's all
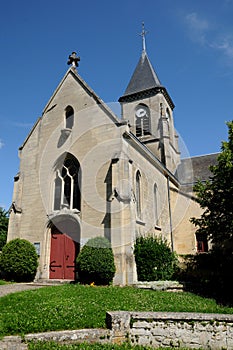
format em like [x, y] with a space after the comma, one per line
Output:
[155, 329]
[191, 330]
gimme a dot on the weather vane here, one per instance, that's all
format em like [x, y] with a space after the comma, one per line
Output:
[143, 35]
[73, 59]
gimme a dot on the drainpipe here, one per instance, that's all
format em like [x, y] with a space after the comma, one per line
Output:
[170, 213]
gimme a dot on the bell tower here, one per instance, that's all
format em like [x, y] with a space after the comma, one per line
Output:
[148, 107]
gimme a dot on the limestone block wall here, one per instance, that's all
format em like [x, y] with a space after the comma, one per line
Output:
[158, 329]
[155, 329]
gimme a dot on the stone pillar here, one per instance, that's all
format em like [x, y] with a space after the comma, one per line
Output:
[122, 223]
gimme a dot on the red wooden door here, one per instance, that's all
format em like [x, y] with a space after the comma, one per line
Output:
[69, 258]
[62, 257]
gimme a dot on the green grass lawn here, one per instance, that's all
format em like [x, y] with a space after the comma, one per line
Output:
[77, 306]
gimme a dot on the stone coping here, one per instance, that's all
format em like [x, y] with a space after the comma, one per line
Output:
[65, 337]
[83, 335]
[176, 316]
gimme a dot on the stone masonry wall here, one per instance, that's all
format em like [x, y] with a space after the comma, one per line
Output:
[159, 329]
[155, 329]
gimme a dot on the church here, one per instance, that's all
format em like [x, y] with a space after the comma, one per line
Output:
[86, 172]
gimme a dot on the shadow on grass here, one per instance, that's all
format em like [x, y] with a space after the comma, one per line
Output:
[206, 276]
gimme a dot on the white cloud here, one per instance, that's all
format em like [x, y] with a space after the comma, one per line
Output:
[205, 33]
[225, 46]
[198, 27]
[1, 144]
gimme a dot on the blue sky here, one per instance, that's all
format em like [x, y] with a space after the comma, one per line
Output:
[190, 44]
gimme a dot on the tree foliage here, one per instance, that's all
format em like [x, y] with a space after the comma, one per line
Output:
[3, 227]
[216, 198]
[95, 262]
[19, 261]
[154, 259]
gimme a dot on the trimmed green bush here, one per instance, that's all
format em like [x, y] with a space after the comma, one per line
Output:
[19, 261]
[4, 218]
[95, 262]
[154, 259]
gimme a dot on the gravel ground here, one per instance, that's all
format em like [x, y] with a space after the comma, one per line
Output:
[17, 287]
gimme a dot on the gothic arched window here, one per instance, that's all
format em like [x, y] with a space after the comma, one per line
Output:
[69, 117]
[67, 185]
[138, 195]
[142, 120]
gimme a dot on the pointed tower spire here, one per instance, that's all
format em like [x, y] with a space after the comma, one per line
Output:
[144, 81]
[148, 108]
[144, 76]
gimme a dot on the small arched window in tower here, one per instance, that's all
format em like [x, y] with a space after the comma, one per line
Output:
[138, 195]
[67, 185]
[168, 117]
[156, 217]
[142, 114]
[69, 115]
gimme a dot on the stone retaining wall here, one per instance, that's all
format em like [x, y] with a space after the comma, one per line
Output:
[156, 329]
[191, 330]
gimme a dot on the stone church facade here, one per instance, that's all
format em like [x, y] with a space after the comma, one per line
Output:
[85, 172]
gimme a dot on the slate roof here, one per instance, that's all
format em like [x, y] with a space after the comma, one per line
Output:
[144, 83]
[190, 170]
[201, 166]
[143, 78]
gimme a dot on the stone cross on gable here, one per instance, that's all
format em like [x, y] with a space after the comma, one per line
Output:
[73, 59]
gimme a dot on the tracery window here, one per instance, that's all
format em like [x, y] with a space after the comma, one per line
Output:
[142, 120]
[69, 117]
[67, 185]
[138, 195]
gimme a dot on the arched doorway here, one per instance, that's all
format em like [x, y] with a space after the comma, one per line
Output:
[64, 248]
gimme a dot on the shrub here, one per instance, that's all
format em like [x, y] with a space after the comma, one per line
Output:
[95, 262]
[19, 261]
[3, 227]
[154, 259]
